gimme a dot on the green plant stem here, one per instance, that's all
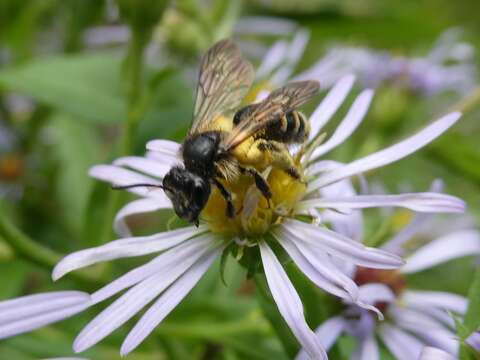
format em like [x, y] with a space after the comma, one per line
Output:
[30, 250]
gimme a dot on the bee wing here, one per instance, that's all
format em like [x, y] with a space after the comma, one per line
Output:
[278, 103]
[224, 79]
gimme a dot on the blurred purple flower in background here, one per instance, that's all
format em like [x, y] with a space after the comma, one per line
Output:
[413, 318]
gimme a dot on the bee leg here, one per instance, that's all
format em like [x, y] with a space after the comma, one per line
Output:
[230, 211]
[280, 157]
[260, 182]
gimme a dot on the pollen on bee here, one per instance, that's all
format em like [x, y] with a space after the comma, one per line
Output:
[255, 215]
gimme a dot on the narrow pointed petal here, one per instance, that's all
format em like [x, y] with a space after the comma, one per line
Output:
[166, 303]
[443, 300]
[289, 304]
[445, 248]
[119, 176]
[401, 344]
[128, 247]
[421, 202]
[147, 166]
[349, 124]
[327, 333]
[323, 278]
[431, 353]
[135, 207]
[367, 349]
[395, 244]
[330, 104]
[474, 340]
[265, 25]
[34, 311]
[272, 59]
[373, 293]
[388, 155]
[343, 247]
[166, 147]
[125, 307]
[191, 250]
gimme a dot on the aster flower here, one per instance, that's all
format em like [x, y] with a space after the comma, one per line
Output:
[187, 253]
[414, 318]
[449, 66]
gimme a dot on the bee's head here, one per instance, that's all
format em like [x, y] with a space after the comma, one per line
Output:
[188, 192]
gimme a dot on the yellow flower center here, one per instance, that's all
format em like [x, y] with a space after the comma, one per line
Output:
[254, 214]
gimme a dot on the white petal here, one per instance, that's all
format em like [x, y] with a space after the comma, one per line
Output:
[31, 312]
[401, 344]
[128, 247]
[148, 166]
[191, 250]
[132, 302]
[431, 353]
[395, 244]
[343, 247]
[421, 202]
[167, 160]
[166, 147]
[390, 154]
[166, 303]
[367, 349]
[140, 206]
[444, 300]
[120, 177]
[372, 293]
[354, 117]
[273, 58]
[445, 248]
[289, 303]
[325, 278]
[327, 333]
[330, 104]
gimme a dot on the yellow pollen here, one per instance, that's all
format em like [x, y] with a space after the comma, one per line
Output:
[254, 214]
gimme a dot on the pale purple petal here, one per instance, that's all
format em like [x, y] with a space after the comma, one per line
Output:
[443, 249]
[349, 124]
[34, 311]
[135, 207]
[372, 293]
[327, 333]
[321, 272]
[119, 176]
[444, 300]
[167, 147]
[167, 302]
[330, 104]
[273, 58]
[388, 155]
[421, 202]
[395, 244]
[289, 303]
[343, 247]
[367, 349]
[128, 247]
[425, 327]
[474, 340]
[190, 250]
[150, 167]
[133, 301]
[431, 353]
[401, 344]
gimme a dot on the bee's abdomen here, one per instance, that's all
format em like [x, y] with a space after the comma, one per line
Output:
[293, 127]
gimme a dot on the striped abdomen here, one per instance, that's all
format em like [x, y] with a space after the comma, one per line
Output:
[293, 127]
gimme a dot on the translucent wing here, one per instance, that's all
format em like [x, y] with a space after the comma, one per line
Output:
[223, 82]
[279, 102]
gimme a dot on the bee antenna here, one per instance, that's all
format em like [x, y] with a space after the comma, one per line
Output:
[123, 187]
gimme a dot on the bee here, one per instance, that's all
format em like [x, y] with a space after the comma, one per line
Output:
[224, 143]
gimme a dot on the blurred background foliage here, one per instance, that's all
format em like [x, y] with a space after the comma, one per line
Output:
[84, 81]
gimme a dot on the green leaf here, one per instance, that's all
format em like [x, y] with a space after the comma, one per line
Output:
[471, 320]
[86, 86]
